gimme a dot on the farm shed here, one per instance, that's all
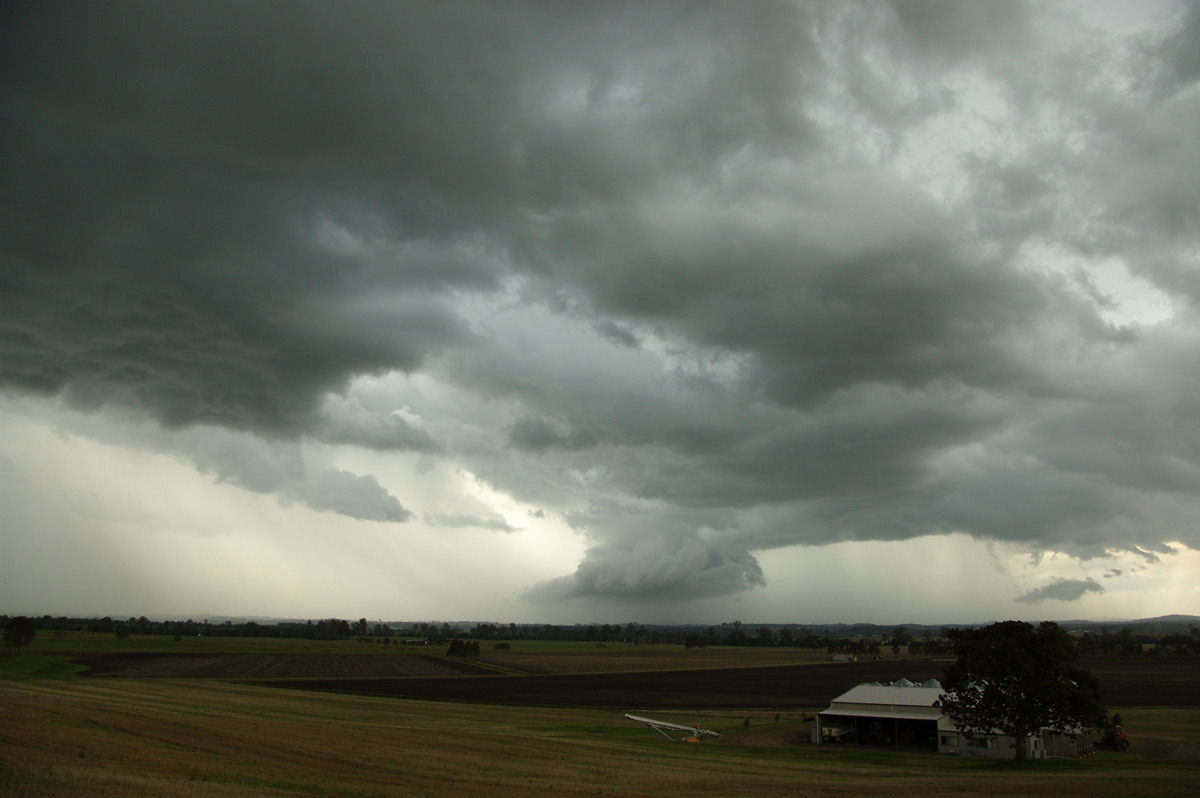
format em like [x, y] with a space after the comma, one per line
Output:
[902, 714]
[894, 715]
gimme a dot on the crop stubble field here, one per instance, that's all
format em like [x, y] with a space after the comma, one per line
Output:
[541, 722]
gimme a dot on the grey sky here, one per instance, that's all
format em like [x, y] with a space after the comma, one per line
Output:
[673, 289]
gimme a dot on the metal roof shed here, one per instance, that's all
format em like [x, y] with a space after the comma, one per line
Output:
[894, 714]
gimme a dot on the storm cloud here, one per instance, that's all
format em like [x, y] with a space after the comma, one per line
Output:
[703, 280]
[1061, 590]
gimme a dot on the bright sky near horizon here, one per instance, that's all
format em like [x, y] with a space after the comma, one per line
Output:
[601, 312]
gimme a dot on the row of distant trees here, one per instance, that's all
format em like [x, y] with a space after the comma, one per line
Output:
[1123, 642]
[1126, 642]
[732, 634]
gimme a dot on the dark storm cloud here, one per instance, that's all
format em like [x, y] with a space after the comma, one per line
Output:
[643, 559]
[709, 278]
[169, 173]
[958, 30]
[1061, 590]
[464, 520]
[350, 494]
[178, 185]
[266, 466]
[345, 422]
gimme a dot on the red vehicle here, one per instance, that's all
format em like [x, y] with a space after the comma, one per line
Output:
[1115, 738]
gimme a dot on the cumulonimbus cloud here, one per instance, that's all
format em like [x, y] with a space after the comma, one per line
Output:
[789, 275]
[1061, 590]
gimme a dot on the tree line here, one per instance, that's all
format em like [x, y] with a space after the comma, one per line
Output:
[1123, 642]
[1127, 642]
[727, 634]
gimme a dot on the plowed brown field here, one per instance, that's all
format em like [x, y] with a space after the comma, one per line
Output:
[1153, 683]
[668, 678]
[648, 658]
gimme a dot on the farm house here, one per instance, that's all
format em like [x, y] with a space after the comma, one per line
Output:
[902, 715]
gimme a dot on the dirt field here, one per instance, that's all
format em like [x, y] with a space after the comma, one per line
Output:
[1155, 683]
[408, 664]
[648, 658]
[721, 678]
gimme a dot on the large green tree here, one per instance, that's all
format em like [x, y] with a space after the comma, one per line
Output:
[19, 633]
[1015, 679]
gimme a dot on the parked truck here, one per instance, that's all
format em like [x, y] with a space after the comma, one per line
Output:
[839, 733]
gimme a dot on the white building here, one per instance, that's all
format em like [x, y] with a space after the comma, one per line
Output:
[902, 715]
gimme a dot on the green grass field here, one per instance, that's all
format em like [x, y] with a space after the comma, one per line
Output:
[48, 656]
[98, 642]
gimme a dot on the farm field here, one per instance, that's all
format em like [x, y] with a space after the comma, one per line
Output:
[182, 737]
[1165, 682]
[273, 666]
[660, 657]
[370, 661]
[221, 718]
[645, 677]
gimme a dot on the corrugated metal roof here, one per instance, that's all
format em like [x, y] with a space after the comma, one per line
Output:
[890, 695]
[902, 713]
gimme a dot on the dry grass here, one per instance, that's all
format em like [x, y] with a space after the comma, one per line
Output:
[133, 737]
[1159, 733]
